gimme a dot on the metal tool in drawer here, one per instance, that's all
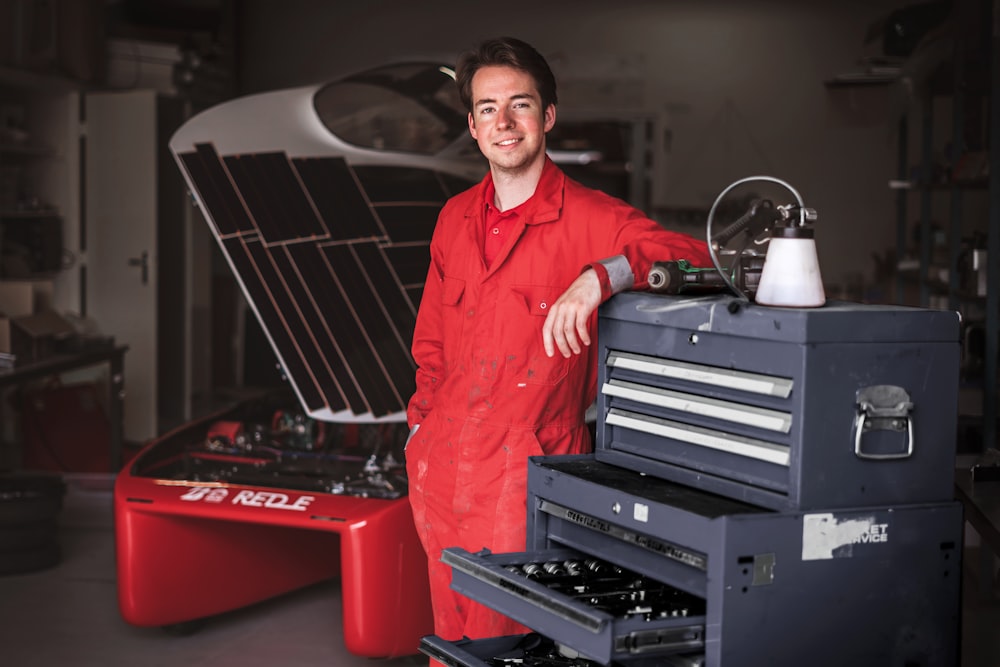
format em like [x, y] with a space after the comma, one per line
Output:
[610, 588]
[603, 611]
[841, 406]
[531, 650]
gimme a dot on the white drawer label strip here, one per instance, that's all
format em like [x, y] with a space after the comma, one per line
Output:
[754, 383]
[771, 420]
[734, 444]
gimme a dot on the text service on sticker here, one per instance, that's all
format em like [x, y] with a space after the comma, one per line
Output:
[824, 536]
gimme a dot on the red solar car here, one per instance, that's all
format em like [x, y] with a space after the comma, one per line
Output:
[260, 500]
[322, 200]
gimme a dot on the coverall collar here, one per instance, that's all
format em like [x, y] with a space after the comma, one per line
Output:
[543, 206]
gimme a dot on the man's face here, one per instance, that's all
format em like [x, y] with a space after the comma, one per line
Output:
[507, 119]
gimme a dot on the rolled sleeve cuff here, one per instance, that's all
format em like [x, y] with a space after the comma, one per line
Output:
[409, 436]
[615, 275]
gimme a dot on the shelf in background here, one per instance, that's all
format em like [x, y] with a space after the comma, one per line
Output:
[33, 214]
[13, 77]
[969, 184]
[26, 150]
[857, 80]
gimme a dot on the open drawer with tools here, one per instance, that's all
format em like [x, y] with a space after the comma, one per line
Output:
[604, 611]
[750, 581]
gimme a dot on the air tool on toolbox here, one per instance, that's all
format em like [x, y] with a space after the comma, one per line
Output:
[786, 275]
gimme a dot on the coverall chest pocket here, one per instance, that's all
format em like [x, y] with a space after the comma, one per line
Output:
[452, 292]
[527, 362]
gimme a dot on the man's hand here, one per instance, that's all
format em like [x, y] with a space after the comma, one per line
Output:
[566, 324]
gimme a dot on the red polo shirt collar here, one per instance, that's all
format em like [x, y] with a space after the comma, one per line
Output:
[497, 224]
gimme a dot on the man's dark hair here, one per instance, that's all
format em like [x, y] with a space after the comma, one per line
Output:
[506, 52]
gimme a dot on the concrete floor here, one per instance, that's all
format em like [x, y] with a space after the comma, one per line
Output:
[68, 615]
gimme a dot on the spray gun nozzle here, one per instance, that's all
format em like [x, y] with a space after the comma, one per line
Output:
[797, 216]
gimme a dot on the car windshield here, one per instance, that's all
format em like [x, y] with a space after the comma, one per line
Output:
[412, 107]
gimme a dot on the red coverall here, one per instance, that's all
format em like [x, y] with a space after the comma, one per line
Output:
[487, 396]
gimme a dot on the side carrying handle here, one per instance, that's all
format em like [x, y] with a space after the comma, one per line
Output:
[883, 407]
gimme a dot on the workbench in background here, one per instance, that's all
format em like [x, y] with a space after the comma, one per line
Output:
[26, 380]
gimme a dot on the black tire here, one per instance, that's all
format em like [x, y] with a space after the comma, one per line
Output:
[48, 483]
[30, 498]
[25, 536]
[30, 560]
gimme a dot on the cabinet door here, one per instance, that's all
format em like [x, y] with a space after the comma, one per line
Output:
[121, 254]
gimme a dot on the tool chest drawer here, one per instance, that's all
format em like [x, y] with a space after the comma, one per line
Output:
[660, 529]
[845, 405]
[604, 611]
[532, 650]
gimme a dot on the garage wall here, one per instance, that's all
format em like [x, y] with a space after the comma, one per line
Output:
[735, 87]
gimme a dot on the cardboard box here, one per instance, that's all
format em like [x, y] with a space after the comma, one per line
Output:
[35, 337]
[25, 297]
[21, 298]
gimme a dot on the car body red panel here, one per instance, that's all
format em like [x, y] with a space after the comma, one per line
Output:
[189, 549]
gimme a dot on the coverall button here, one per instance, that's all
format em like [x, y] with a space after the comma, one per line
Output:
[495, 230]
[543, 305]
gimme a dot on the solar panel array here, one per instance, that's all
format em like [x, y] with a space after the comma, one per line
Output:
[333, 259]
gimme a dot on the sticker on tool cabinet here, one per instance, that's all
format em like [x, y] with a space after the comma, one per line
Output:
[824, 536]
[248, 498]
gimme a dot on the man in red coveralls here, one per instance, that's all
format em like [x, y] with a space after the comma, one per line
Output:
[506, 369]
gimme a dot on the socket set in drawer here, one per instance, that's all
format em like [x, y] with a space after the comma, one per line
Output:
[604, 611]
[608, 587]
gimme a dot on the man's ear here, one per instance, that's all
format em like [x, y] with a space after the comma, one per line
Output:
[550, 117]
[472, 127]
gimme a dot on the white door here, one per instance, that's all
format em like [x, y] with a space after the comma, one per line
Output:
[121, 207]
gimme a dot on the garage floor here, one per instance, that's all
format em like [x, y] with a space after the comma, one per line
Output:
[68, 615]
